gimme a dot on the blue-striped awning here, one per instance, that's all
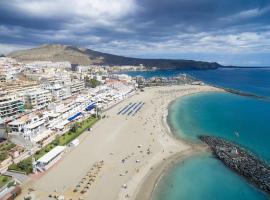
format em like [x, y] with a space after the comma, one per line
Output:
[74, 116]
[90, 107]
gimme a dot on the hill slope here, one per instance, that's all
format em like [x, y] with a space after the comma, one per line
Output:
[84, 56]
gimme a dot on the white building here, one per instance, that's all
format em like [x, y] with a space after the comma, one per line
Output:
[58, 88]
[121, 77]
[49, 159]
[76, 87]
[48, 64]
[9, 69]
[30, 127]
[83, 69]
[38, 98]
[10, 105]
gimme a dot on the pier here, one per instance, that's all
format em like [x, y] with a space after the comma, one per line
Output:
[241, 161]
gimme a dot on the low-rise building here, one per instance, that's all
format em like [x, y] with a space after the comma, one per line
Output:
[46, 161]
[9, 69]
[29, 126]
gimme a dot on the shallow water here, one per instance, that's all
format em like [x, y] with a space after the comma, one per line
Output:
[237, 118]
[204, 177]
[219, 114]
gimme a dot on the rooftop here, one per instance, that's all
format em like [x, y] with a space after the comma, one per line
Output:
[52, 154]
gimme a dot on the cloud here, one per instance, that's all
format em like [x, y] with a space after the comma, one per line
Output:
[83, 8]
[7, 48]
[130, 27]
[94, 12]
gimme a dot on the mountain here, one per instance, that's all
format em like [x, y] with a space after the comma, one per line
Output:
[84, 56]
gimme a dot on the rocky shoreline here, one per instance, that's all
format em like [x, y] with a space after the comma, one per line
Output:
[241, 161]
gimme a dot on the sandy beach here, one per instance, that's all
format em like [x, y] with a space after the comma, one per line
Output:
[134, 152]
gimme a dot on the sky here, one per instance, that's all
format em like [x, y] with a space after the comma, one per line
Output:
[231, 32]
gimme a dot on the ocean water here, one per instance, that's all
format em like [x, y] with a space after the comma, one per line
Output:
[219, 114]
[237, 118]
[204, 178]
[240, 119]
[252, 80]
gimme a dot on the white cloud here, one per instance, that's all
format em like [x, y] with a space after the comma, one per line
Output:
[251, 13]
[91, 9]
[7, 48]
[212, 43]
[80, 15]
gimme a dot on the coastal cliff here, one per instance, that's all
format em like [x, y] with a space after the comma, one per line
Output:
[241, 161]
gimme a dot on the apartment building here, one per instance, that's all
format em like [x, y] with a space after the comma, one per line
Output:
[38, 98]
[8, 73]
[10, 105]
[57, 87]
[76, 87]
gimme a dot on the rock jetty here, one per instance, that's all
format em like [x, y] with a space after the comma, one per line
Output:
[241, 161]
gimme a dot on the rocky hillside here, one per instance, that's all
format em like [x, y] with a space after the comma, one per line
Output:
[84, 56]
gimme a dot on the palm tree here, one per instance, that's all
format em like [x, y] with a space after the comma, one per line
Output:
[98, 110]
[7, 131]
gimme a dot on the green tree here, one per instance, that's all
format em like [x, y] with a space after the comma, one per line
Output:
[91, 82]
[94, 83]
[28, 106]
[74, 127]
[3, 156]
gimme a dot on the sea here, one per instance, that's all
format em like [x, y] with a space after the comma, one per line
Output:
[241, 119]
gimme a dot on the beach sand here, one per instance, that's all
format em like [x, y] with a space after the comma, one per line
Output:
[136, 150]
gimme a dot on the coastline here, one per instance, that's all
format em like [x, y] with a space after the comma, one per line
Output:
[121, 137]
[146, 190]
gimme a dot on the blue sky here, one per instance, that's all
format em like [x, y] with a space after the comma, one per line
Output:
[231, 32]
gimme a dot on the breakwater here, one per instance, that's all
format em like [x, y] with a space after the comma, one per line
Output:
[241, 161]
[246, 94]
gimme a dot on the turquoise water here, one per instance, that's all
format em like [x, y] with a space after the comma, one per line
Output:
[204, 178]
[219, 114]
[226, 115]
